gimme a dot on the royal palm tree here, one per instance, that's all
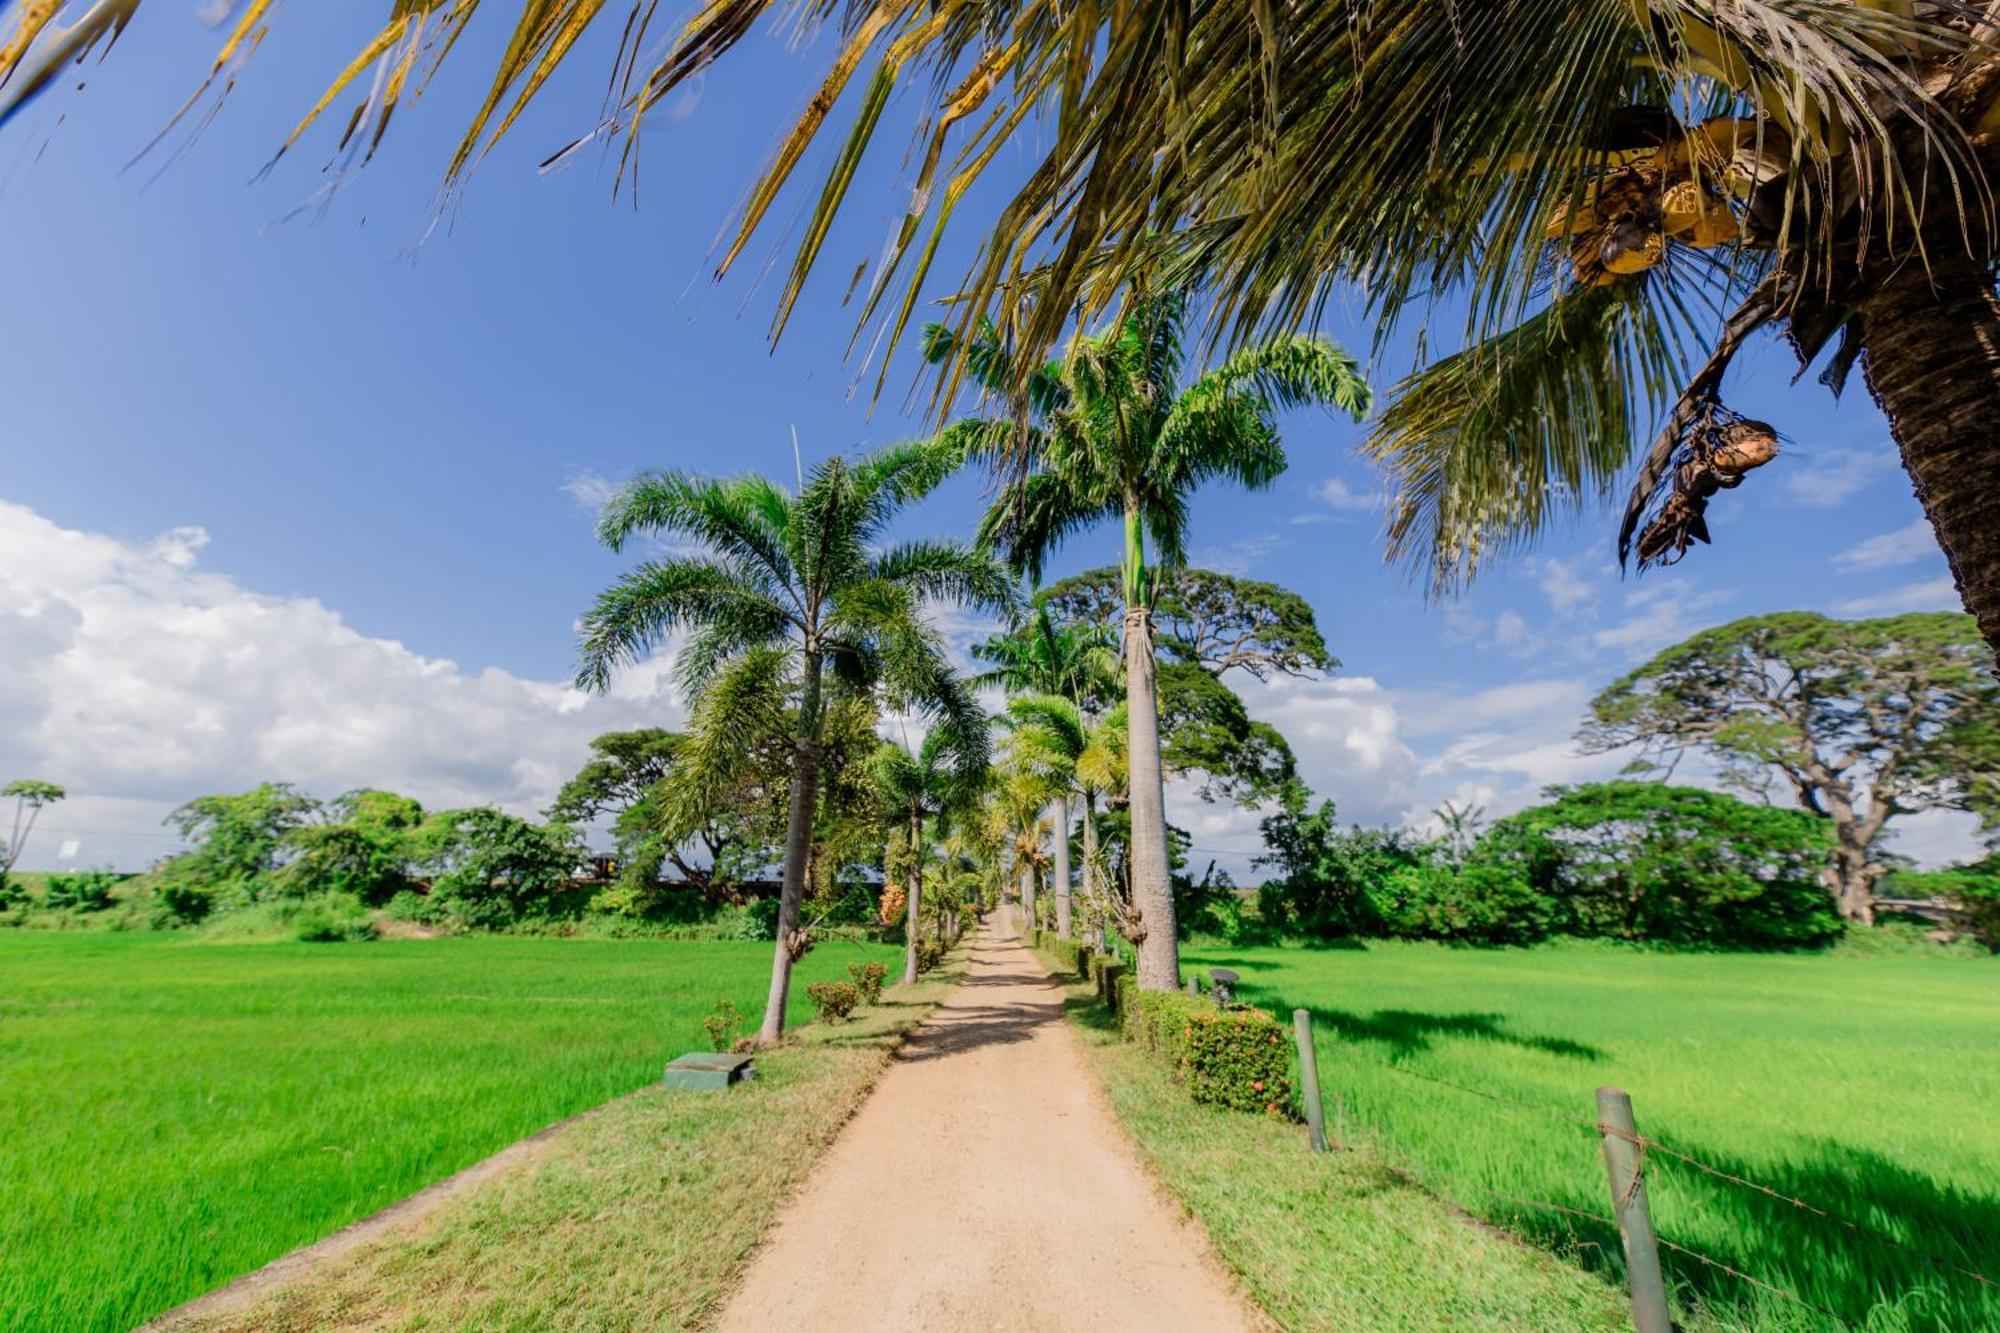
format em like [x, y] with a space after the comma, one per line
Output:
[945, 771]
[1049, 737]
[789, 606]
[1073, 663]
[1108, 433]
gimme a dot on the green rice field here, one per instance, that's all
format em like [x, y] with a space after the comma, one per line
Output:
[175, 1112]
[1868, 1088]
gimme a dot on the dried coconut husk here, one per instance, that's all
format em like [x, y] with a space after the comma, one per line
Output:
[1742, 445]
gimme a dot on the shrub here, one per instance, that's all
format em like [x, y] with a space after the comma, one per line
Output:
[868, 979]
[1072, 956]
[1105, 970]
[722, 1025]
[929, 954]
[177, 903]
[1236, 1058]
[491, 868]
[82, 891]
[332, 919]
[833, 1001]
[1478, 904]
[1977, 898]
[760, 920]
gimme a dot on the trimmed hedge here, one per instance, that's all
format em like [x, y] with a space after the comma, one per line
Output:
[1105, 971]
[1237, 1058]
[1073, 956]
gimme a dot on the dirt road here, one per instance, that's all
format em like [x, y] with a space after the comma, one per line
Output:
[985, 1186]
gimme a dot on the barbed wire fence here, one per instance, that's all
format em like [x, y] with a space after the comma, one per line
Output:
[1630, 1213]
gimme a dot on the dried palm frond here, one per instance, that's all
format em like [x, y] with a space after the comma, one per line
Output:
[1715, 451]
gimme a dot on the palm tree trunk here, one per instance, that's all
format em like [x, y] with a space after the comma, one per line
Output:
[1152, 886]
[798, 852]
[1093, 892]
[1062, 867]
[916, 887]
[1027, 866]
[1931, 337]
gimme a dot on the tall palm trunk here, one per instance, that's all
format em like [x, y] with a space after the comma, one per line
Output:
[1063, 917]
[1028, 913]
[1093, 892]
[1152, 883]
[916, 887]
[1931, 337]
[798, 851]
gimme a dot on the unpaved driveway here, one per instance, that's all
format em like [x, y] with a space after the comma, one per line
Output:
[985, 1186]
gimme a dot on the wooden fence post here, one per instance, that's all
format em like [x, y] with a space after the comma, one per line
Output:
[1624, 1167]
[1302, 1028]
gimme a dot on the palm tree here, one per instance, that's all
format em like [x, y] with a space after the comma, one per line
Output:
[789, 603]
[1070, 663]
[945, 771]
[1107, 433]
[1049, 735]
[1701, 169]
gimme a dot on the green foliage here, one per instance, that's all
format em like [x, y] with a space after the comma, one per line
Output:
[1476, 904]
[722, 1024]
[833, 1001]
[1972, 890]
[1215, 621]
[1642, 860]
[868, 979]
[1207, 733]
[930, 953]
[1072, 956]
[1106, 970]
[1237, 1058]
[237, 838]
[80, 891]
[362, 849]
[332, 918]
[1326, 874]
[489, 868]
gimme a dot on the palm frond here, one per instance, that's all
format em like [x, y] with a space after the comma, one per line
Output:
[633, 615]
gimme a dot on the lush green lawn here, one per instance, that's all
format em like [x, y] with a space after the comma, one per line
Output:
[1869, 1087]
[176, 1112]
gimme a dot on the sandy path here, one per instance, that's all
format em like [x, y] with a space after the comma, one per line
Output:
[985, 1186]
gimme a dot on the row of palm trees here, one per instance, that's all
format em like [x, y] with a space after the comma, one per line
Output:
[795, 604]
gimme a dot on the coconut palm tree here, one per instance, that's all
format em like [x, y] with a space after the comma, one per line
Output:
[1073, 663]
[788, 607]
[1690, 171]
[1108, 433]
[945, 771]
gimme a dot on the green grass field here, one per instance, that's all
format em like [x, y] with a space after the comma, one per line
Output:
[176, 1112]
[1865, 1086]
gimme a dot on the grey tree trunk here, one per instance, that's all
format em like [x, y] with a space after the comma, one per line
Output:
[1028, 913]
[1931, 339]
[1093, 892]
[1063, 917]
[916, 887]
[798, 852]
[1152, 887]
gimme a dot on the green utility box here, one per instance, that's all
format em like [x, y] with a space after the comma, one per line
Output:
[703, 1071]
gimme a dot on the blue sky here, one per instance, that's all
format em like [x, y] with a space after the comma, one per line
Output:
[296, 485]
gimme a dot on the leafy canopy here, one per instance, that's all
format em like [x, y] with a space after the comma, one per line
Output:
[1220, 622]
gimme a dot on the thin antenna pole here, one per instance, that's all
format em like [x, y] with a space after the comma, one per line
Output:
[798, 466]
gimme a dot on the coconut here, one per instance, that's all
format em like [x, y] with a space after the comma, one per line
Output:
[1715, 226]
[1681, 207]
[1632, 249]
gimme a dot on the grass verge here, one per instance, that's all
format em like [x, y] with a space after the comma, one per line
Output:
[638, 1215]
[1332, 1241]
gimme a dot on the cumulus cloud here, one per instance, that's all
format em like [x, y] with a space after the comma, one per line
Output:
[1887, 550]
[1661, 612]
[1938, 594]
[137, 680]
[1566, 590]
[1829, 477]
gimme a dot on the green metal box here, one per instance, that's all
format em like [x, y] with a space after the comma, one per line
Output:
[704, 1071]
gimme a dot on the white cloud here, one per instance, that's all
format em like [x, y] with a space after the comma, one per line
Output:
[1662, 611]
[1339, 495]
[591, 490]
[138, 680]
[1826, 478]
[1239, 557]
[1885, 551]
[1938, 594]
[1568, 594]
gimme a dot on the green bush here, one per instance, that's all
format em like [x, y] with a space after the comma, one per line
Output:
[177, 903]
[929, 954]
[1977, 898]
[333, 918]
[833, 1001]
[760, 920]
[1478, 904]
[1105, 971]
[868, 979]
[1236, 1058]
[81, 891]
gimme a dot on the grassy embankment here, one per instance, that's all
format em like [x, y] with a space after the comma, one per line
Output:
[179, 1112]
[1862, 1085]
